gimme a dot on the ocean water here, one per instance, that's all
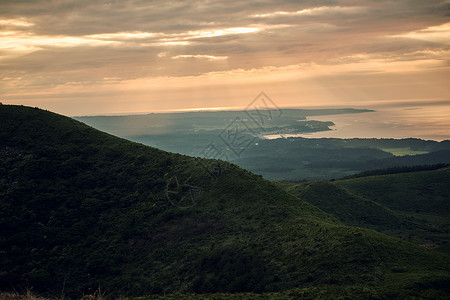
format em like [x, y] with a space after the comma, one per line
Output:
[429, 122]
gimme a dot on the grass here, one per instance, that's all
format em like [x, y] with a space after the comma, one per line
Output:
[363, 291]
[413, 206]
[17, 296]
[30, 295]
[404, 151]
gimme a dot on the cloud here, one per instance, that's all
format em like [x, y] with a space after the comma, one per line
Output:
[21, 22]
[18, 42]
[67, 45]
[438, 34]
[208, 57]
[315, 11]
[124, 35]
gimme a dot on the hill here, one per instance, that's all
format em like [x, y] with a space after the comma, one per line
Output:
[413, 205]
[81, 209]
[322, 159]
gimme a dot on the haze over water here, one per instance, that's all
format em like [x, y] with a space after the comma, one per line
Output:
[429, 122]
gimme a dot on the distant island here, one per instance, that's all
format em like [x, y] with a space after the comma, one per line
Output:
[258, 121]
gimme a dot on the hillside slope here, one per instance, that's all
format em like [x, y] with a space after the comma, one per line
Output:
[81, 209]
[350, 208]
[427, 191]
[413, 205]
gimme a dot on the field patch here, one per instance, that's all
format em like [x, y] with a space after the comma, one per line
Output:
[404, 151]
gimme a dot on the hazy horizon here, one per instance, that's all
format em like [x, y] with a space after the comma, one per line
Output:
[428, 121]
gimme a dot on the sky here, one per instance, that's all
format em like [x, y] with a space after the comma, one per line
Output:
[87, 57]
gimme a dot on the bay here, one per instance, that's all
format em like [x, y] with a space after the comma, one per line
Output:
[428, 122]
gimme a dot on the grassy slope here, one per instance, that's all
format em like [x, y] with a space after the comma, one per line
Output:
[80, 208]
[414, 206]
[427, 191]
[352, 209]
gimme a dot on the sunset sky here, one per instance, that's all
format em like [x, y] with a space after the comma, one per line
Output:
[85, 57]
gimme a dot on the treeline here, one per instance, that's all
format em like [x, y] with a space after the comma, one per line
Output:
[397, 170]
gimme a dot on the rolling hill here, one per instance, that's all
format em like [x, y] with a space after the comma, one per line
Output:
[82, 209]
[414, 206]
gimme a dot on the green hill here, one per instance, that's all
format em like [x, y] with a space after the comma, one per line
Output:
[427, 191]
[414, 206]
[352, 209]
[81, 209]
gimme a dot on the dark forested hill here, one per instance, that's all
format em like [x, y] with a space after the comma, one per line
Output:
[81, 209]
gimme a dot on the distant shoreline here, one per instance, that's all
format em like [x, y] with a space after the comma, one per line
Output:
[237, 110]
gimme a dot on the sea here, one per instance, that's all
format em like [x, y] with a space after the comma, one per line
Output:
[424, 121]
